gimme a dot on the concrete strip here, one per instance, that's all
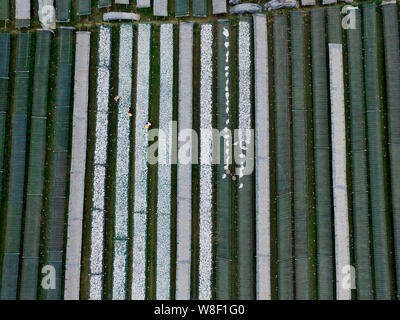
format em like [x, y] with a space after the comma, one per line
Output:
[78, 164]
[263, 246]
[164, 165]
[184, 182]
[340, 197]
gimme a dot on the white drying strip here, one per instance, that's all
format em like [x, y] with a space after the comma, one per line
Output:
[100, 161]
[140, 205]
[206, 206]
[123, 160]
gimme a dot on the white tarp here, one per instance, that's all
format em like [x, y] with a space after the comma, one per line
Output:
[109, 16]
[22, 9]
[339, 174]
[143, 4]
[307, 3]
[47, 14]
[219, 6]
[160, 8]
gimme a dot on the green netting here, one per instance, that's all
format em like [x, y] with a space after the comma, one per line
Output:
[223, 186]
[283, 172]
[334, 25]
[37, 154]
[22, 23]
[378, 187]
[65, 46]
[84, 7]
[181, 8]
[199, 8]
[3, 117]
[54, 294]
[29, 279]
[391, 38]
[17, 165]
[4, 69]
[300, 176]
[323, 199]
[14, 215]
[10, 271]
[4, 79]
[359, 167]
[39, 99]
[4, 10]
[63, 10]
[55, 245]
[104, 3]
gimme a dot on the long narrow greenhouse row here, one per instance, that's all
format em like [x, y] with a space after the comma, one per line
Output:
[5, 49]
[269, 171]
[223, 184]
[37, 158]
[359, 163]
[378, 188]
[14, 211]
[301, 194]
[322, 150]
[282, 154]
[392, 63]
[55, 230]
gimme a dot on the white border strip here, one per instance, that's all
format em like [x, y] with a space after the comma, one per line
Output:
[263, 245]
[78, 165]
[141, 169]
[184, 182]
[206, 186]
[338, 124]
[164, 165]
